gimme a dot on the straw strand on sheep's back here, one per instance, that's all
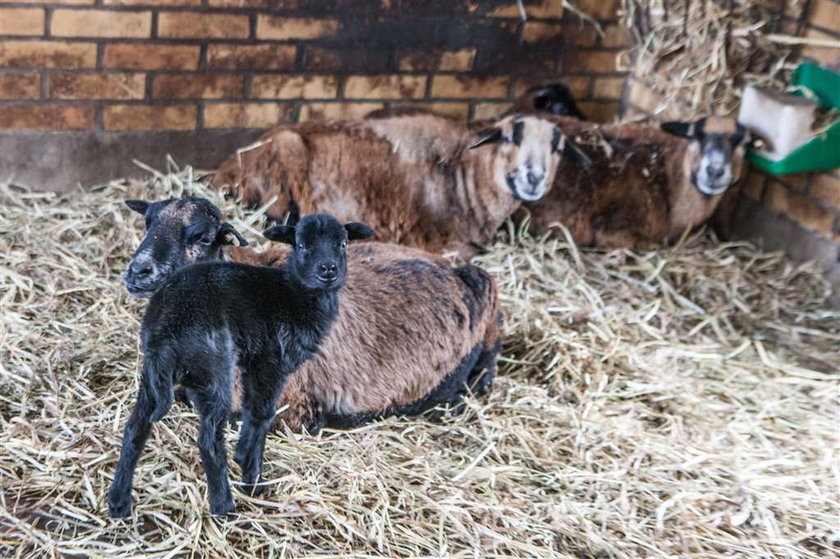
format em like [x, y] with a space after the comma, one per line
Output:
[681, 402]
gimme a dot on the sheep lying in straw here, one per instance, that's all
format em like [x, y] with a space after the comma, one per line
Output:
[646, 186]
[212, 317]
[411, 333]
[420, 180]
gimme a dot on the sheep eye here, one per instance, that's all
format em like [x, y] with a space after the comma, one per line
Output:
[507, 140]
[300, 246]
[201, 238]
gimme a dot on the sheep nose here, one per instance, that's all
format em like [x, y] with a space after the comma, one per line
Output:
[330, 268]
[714, 171]
[142, 270]
[535, 176]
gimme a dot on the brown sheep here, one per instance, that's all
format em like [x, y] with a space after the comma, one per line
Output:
[420, 180]
[647, 185]
[409, 330]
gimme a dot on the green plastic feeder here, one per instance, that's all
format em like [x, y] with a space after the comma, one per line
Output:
[822, 152]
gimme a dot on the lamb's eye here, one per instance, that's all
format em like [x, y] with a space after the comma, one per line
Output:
[300, 246]
[201, 238]
[343, 244]
[507, 139]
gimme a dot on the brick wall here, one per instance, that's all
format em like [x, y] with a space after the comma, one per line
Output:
[119, 65]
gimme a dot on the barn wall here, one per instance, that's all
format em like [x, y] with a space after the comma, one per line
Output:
[85, 85]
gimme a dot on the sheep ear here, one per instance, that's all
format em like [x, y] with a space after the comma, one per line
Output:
[487, 137]
[682, 129]
[222, 235]
[293, 215]
[576, 155]
[281, 234]
[139, 206]
[358, 231]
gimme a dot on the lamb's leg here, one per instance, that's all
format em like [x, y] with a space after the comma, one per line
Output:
[213, 404]
[262, 383]
[134, 439]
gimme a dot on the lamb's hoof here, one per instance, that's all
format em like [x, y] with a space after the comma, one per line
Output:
[225, 508]
[119, 509]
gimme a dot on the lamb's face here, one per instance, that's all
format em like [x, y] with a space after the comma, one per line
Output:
[319, 255]
[528, 154]
[179, 231]
[715, 153]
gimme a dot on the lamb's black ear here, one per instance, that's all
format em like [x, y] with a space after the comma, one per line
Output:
[139, 206]
[281, 234]
[487, 136]
[293, 215]
[224, 230]
[358, 231]
[682, 129]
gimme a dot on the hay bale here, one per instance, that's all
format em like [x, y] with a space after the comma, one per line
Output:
[681, 402]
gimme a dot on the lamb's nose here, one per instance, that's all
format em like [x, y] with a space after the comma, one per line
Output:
[142, 270]
[535, 176]
[328, 268]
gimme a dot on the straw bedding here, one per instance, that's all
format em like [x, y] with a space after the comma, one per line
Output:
[674, 403]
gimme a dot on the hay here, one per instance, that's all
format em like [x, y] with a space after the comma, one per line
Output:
[673, 403]
[699, 54]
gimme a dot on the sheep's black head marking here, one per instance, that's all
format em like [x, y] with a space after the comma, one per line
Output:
[554, 98]
[716, 151]
[319, 258]
[179, 231]
[528, 154]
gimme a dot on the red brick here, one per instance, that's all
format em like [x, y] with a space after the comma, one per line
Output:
[152, 2]
[539, 32]
[133, 56]
[825, 14]
[150, 117]
[244, 115]
[490, 110]
[97, 86]
[189, 25]
[616, 36]
[599, 111]
[101, 23]
[469, 87]
[52, 2]
[599, 9]
[385, 87]
[281, 28]
[251, 57]
[533, 8]
[203, 86]
[446, 60]
[319, 59]
[596, 61]
[47, 54]
[800, 209]
[608, 88]
[21, 21]
[826, 187]
[46, 117]
[337, 110]
[267, 4]
[310, 86]
[20, 86]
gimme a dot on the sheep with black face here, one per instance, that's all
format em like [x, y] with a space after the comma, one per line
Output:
[210, 318]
